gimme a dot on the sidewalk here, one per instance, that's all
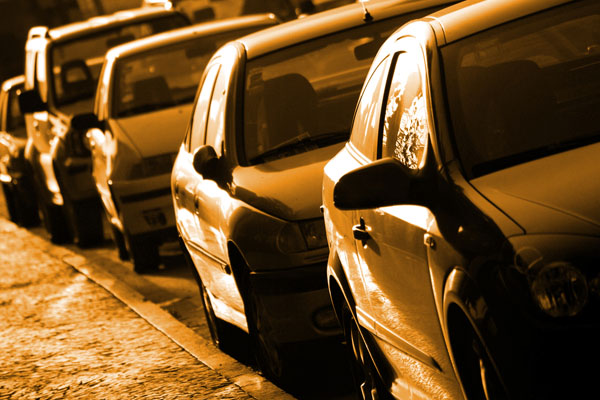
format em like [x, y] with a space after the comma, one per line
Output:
[63, 335]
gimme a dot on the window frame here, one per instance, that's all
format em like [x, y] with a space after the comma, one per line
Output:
[384, 74]
[408, 45]
[190, 132]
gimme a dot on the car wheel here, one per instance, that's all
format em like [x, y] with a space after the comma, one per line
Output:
[11, 206]
[26, 206]
[477, 373]
[119, 240]
[144, 254]
[367, 382]
[271, 356]
[55, 222]
[85, 220]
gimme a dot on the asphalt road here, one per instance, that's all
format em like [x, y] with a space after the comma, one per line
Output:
[322, 371]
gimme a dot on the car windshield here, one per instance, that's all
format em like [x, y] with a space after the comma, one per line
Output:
[164, 77]
[527, 89]
[303, 97]
[77, 62]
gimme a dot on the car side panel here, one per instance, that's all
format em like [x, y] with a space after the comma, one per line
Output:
[338, 224]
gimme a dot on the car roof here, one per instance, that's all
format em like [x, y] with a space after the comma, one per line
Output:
[472, 16]
[14, 81]
[103, 21]
[176, 35]
[328, 22]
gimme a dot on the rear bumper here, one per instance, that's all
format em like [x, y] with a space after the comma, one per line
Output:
[144, 205]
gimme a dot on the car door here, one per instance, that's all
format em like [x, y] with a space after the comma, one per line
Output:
[213, 205]
[394, 260]
[185, 177]
[359, 151]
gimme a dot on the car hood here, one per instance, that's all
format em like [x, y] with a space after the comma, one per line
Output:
[157, 132]
[554, 194]
[288, 188]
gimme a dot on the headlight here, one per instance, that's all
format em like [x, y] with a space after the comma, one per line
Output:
[294, 238]
[560, 289]
[314, 233]
[289, 239]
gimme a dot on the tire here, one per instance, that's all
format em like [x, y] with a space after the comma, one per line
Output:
[119, 240]
[367, 382]
[55, 223]
[27, 208]
[144, 254]
[9, 197]
[272, 358]
[85, 221]
[477, 373]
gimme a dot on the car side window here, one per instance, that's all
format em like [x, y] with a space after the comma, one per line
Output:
[365, 128]
[215, 127]
[198, 123]
[405, 126]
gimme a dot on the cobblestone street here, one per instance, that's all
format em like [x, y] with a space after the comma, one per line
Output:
[63, 336]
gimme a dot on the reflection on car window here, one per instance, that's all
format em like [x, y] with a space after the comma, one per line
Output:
[303, 97]
[405, 129]
[526, 89]
[77, 62]
[200, 115]
[365, 129]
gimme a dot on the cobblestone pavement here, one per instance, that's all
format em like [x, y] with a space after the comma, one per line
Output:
[63, 336]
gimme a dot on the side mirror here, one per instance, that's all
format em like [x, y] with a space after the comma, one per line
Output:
[382, 183]
[30, 102]
[206, 162]
[83, 122]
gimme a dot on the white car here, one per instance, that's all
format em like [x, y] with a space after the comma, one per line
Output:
[143, 104]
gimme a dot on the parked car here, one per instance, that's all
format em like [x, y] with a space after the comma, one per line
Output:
[272, 108]
[143, 104]
[14, 173]
[462, 215]
[61, 71]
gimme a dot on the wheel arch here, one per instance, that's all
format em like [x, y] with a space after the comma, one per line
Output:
[465, 309]
[339, 288]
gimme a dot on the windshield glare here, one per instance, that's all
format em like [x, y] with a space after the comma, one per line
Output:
[76, 63]
[526, 89]
[304, 96]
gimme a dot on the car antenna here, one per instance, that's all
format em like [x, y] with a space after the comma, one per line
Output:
[367, 16]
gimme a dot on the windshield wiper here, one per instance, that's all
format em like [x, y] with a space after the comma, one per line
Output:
[304, 141]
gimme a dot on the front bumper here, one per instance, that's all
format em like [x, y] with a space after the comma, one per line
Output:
[144, 205]
[297, 303]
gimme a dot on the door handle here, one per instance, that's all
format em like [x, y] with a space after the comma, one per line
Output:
[360, 232]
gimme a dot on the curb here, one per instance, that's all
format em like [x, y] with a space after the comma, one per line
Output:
[246, 378]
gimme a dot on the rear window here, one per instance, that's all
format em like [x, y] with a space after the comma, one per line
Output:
[76, 63]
